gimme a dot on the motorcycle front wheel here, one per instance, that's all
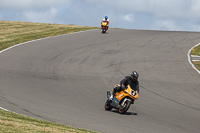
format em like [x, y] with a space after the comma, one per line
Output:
[123, 109]
[107, 106]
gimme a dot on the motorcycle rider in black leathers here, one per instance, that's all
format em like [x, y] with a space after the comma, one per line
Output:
[131, 80]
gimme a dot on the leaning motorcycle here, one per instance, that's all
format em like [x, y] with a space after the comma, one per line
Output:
[104, 26]
[122, 100]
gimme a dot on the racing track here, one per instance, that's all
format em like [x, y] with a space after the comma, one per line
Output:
[64, 79]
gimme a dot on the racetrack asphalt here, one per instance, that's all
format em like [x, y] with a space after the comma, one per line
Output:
[64, 79]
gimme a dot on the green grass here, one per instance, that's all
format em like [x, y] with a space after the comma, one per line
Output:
[12, 33]
[197, 64]
[196, 51]
[11, 122]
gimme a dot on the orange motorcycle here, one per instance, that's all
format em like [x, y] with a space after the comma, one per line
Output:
[104, 26]
[122, 100]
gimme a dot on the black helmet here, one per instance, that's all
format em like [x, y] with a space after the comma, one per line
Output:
[134, 75]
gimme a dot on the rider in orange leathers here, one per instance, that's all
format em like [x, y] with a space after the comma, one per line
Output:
[131, 80]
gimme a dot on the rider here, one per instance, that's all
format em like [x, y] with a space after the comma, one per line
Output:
[131, 80]
[105, 19]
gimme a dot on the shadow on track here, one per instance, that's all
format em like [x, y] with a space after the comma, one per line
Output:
[127, 113]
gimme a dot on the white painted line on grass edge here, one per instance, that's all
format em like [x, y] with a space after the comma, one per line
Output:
[42, 39]
[195, 56]
[195, 60]
[4, 109]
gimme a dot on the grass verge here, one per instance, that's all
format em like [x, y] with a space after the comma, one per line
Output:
[196, 51]
[197, 64]
[12, 33]
[11, 122]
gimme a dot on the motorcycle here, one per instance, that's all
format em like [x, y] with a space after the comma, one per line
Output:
[104, 26]
[122, 100]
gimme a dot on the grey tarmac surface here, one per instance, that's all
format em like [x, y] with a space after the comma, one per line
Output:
[64, 80]
[196, 58]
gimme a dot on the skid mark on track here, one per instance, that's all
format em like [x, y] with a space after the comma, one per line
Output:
[148, 42]
[169, 98]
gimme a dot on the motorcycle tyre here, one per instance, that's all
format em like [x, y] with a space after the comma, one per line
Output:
[124, 110]
[107, 106]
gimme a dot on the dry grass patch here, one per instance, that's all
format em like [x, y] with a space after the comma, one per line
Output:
[14, 32]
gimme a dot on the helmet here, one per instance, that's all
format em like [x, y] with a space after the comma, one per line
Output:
[106, 17]
[134, 75]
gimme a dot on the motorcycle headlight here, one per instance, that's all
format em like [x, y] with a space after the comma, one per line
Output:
[133, 93]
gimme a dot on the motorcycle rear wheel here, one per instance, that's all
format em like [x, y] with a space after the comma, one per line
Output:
[123, 109]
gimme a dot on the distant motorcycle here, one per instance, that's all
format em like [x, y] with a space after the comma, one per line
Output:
[104, 26]
[122, 100]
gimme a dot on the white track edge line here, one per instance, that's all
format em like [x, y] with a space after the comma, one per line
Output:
[189, 59]
[4, 109]
[43, 39]
[34, 41]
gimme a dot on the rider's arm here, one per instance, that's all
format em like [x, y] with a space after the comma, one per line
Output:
[137, 88]
[124, 82]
